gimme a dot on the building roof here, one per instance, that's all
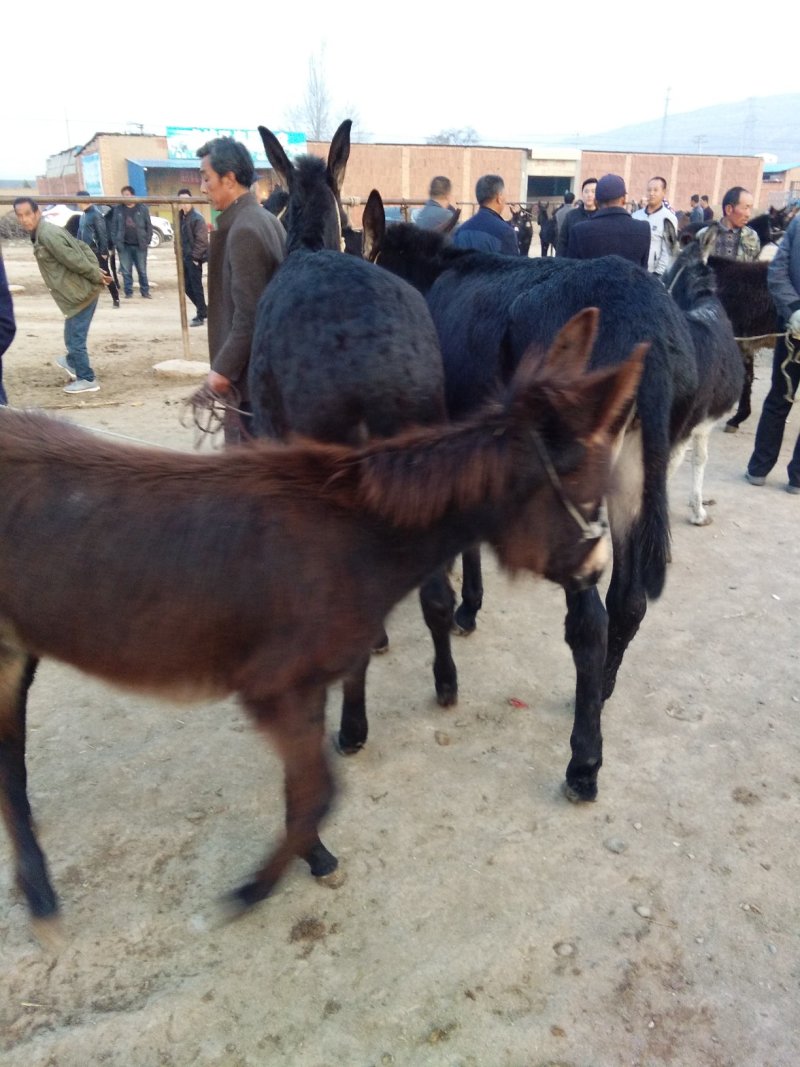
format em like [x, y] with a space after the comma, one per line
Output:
[779, 168]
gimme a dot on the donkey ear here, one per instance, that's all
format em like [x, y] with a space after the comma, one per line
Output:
[570, 351]
[338, 155]
[706, 239]
[373, 225]
[275, 154]
[610, 394]
[453, 222]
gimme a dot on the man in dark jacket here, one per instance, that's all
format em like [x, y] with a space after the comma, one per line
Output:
[7, 325]
[783, 281]
[247, 248]
[487, 230]
[194, 249]
[132, 230]
[584, 209]
[92, 230]
[612, 231]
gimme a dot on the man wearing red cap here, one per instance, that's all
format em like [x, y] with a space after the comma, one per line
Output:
[612, 231]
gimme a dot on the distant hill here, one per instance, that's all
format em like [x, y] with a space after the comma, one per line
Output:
[750, 127]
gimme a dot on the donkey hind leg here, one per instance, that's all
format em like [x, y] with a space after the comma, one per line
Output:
[16, 675]
[586, 631]
[471, 592]
[353, 727]
[295, 722]
[438, 603]
[700, 435]
[744, 408]
[626, 604]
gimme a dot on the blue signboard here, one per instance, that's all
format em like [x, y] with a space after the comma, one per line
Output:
[183, 141]
[92, 175]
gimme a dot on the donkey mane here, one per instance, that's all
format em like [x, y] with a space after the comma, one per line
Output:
[391, 480]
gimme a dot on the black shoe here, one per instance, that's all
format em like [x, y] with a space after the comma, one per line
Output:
[128, 296]
[197, 321]
[146, 296]
[116, 303]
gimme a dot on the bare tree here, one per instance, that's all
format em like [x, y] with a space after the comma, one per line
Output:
[314, 116]
[467, 135]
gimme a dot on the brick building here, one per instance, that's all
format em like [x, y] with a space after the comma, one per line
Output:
[403, 172]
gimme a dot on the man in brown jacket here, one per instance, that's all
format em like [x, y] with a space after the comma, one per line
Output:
[247, 248]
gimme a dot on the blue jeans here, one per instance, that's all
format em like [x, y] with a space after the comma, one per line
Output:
[769, 435]
[76, 331]
[128, 256]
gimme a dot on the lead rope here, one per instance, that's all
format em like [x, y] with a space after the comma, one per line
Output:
[205, 411]
[792, 356]
[592, 531]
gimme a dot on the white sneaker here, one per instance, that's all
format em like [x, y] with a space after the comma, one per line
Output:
[80, 385]
[62, 364]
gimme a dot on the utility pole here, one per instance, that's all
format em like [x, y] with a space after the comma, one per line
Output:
[700, 140]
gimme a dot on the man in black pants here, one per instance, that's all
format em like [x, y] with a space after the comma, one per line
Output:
[194, 243]
[92, 230]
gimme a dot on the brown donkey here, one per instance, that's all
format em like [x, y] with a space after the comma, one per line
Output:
[268, 570]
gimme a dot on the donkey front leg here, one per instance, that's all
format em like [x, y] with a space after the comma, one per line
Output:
[586, 631]
[295, 722]
[16, 675]
[438, 603]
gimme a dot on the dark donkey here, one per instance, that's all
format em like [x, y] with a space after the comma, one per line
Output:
[488, 309]
[266, 570]
[342, 352]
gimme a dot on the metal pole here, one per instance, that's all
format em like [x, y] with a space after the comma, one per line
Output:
[176, 226]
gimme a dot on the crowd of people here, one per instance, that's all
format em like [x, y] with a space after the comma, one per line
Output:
[248, 245]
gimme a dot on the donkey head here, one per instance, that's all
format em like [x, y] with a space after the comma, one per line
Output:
[567, 421]
[417, 256]
[314, 214]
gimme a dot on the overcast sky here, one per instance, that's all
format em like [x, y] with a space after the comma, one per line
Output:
[519, 77]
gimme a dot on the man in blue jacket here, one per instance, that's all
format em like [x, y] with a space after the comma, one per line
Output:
[487, 230]
[612, 231]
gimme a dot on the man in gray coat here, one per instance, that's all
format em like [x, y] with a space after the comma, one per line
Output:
[246, 249]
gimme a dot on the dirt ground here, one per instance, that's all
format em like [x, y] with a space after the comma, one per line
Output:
[483, 920]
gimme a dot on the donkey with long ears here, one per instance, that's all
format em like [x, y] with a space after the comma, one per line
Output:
[488, 309]
[313, 215]
[692, 285]
[266, 570]
[342, 352]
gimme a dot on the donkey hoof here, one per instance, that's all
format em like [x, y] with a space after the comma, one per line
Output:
[241, 900]
[345, 747]
[333, 880]
[463, 631]
[581, 790]
[730, 427]
[446, 695]
[49, 932]
[704, 520]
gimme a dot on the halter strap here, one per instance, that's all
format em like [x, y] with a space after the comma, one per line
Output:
[591, 531]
